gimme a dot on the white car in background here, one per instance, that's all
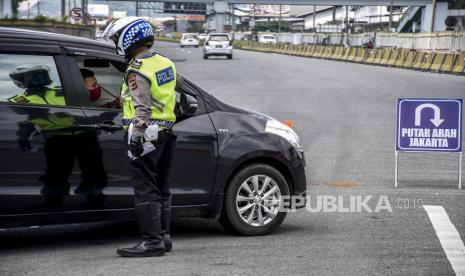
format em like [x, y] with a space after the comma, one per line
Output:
[218, 44]
[189, 40]
[267, 38]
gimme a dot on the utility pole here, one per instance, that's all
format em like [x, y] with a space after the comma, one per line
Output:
[38, 8]
[433, 16]
[279, 22]
[63, 6]
[233, 17]
[137, 7]
[390, 15]
[381, 17]
[314, 18]
[347, 25]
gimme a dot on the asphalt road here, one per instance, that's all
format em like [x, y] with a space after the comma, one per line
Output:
[345, 115]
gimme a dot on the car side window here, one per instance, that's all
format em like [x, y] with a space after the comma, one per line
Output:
[188, 89]
[102, 79]
[30, 79]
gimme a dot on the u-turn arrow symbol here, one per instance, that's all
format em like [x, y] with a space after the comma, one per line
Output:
[437, 121]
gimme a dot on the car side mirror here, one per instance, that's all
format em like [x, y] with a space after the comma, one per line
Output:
[188, 105]
[230, 43]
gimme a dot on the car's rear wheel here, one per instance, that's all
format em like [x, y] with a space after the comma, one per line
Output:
[253, 199]
[229, 56]
[205, 56]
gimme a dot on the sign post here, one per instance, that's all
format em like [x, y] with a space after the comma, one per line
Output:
[429, 125]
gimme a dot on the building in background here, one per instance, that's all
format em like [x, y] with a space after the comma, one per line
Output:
[100, 13]
[6, 10]
[360, 18]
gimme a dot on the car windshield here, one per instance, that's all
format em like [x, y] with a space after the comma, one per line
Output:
[219, 38]
[190, 36]
[269, 37]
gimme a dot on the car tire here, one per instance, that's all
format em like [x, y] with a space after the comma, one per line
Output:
[196, 46]
[229, 56]
[182, 46]
[237, 223]
[205, 56]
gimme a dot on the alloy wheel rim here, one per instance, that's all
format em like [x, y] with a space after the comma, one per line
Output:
[258, 200]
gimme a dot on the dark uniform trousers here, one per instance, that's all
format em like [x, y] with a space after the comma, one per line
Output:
[153, 170]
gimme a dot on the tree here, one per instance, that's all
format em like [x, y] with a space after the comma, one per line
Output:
[15, 6]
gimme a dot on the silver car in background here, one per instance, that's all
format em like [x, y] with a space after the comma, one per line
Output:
[218, 44]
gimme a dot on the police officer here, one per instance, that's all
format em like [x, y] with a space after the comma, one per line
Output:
[148, 93]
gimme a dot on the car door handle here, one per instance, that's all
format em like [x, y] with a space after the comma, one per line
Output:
[108, 127]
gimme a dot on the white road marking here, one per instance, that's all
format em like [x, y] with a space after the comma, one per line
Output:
[189, 52]
[448, 236]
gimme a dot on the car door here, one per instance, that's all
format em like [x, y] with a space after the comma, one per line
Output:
[39, 125]
[195, 158]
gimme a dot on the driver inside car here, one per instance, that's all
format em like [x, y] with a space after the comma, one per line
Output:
[94, 89]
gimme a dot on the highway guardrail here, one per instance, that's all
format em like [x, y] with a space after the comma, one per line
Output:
[438, 62]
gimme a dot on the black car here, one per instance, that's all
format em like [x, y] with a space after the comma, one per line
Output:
[67, 162]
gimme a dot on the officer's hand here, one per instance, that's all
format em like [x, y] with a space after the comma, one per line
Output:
[135, 145]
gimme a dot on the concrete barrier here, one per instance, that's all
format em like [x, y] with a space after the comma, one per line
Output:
[309, 50]
[401, 58]
[328, 52]
[459, 65]
[419, 59]
[383, 56]
[371, 56]
[346, 54]
[289, 49]
[303, 49]
[395, 53]
[361, 55]
[352, 54]
[427, 61]
[437, 62]
[318, 51]
[448, 64]
[404, 58]
[409, 59]
[338, 52]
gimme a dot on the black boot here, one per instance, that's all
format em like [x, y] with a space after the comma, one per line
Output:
[165, 223]
[148, 216]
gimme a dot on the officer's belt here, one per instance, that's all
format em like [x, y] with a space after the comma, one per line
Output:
[160, 123]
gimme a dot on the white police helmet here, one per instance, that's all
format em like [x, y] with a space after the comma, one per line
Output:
[27, 76]
[128, 33]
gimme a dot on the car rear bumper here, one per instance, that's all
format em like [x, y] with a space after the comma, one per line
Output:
[187, 43]
[218, 51]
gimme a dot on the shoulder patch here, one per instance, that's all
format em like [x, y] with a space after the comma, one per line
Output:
[165, 76]
[136, 64]
[18, 99]
[132, 82]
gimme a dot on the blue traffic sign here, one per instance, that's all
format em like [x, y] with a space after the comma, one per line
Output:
[429, 125]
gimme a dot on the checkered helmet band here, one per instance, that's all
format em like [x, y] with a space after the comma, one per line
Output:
[136, 31]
